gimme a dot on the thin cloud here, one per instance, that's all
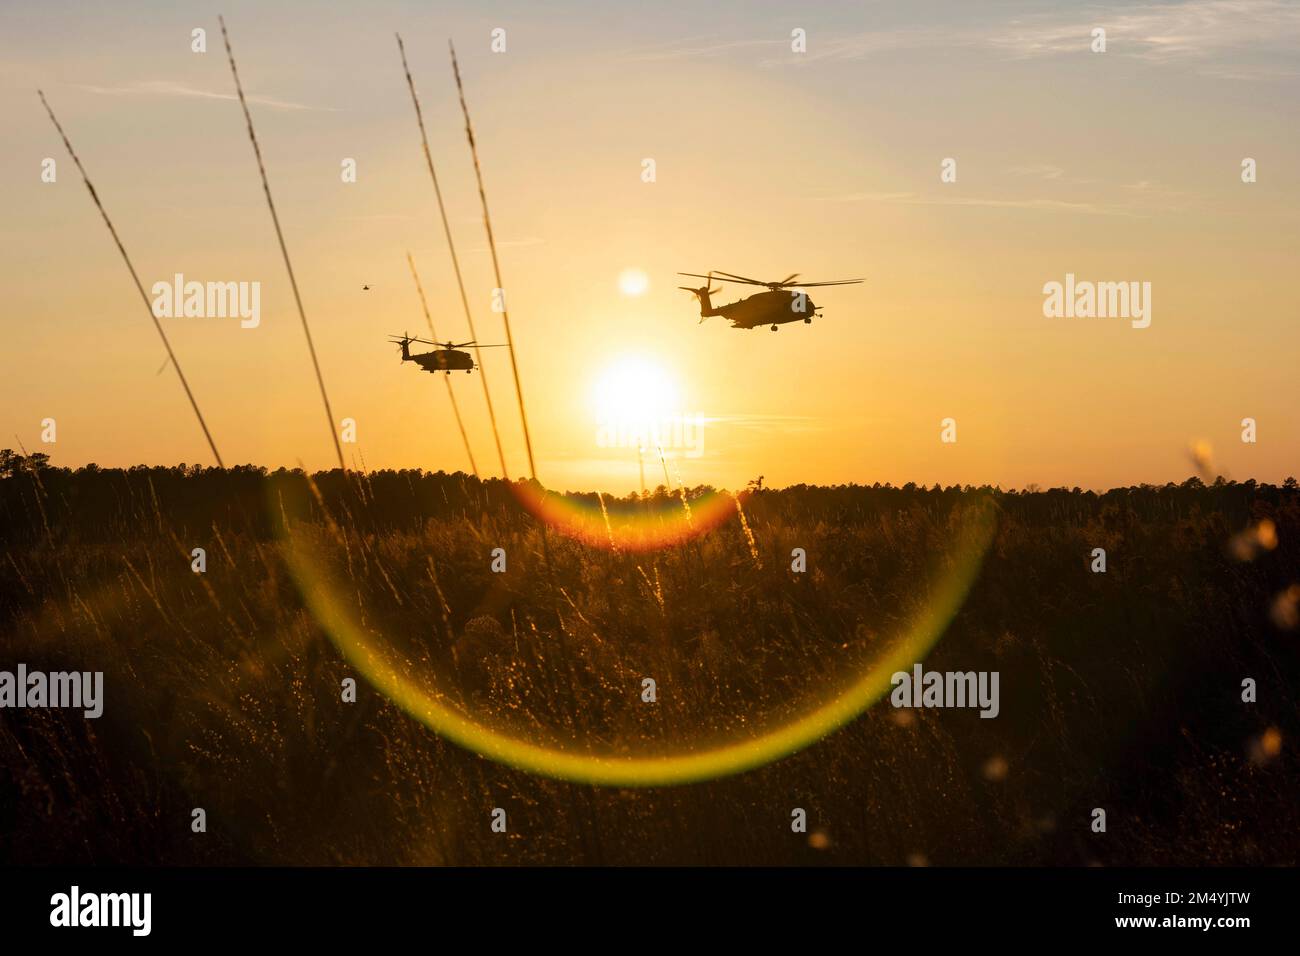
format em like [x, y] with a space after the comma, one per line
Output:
[1038, 171]
[1054, 205]
[172, 88]
[867, 197]
[793, 423]
[512, 243]
[857, 46]
[693, 47]
[1163, 32]
[1212, 34]
[821, 46]
[1250, 73]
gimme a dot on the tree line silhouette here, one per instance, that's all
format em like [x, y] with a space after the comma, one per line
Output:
[38, 500]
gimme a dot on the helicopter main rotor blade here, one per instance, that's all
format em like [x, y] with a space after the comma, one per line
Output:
[746, 280]
[809, 285]
[731, 277]
[726, 277]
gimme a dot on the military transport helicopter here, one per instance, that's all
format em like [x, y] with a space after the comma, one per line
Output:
[447, 358]
[784, 301]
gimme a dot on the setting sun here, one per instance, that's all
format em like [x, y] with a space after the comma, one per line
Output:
[634, 390]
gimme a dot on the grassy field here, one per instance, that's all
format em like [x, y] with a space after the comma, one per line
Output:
[1119, 690]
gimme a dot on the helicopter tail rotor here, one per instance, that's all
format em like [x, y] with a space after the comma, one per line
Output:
[403, 343]
[702, 294]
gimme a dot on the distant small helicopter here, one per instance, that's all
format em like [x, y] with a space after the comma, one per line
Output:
[448, 357]
[784, 301]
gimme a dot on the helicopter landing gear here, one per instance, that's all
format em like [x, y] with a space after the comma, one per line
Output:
[807, 321]
[774, 328]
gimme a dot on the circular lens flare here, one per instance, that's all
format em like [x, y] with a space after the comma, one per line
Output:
[633, 282]
[334, 606]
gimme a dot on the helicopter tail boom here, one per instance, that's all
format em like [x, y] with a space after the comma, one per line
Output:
[702, 293]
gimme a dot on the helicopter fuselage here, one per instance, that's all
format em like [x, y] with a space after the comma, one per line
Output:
[774, 307]
[442, 360]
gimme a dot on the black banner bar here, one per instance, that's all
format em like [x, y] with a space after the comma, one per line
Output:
[331, 905]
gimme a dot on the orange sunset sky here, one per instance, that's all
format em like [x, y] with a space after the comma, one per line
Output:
[1116, 166]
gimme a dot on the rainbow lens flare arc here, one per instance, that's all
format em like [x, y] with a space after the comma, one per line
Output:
[650, 526]
[362, 648]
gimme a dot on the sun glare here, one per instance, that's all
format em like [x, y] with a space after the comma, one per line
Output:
[633, 282]
[634, 390]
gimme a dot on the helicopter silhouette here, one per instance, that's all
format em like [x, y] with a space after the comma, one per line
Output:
[783, 302]
[446, 358]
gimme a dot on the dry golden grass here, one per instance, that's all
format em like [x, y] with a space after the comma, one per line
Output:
[1118, 690]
